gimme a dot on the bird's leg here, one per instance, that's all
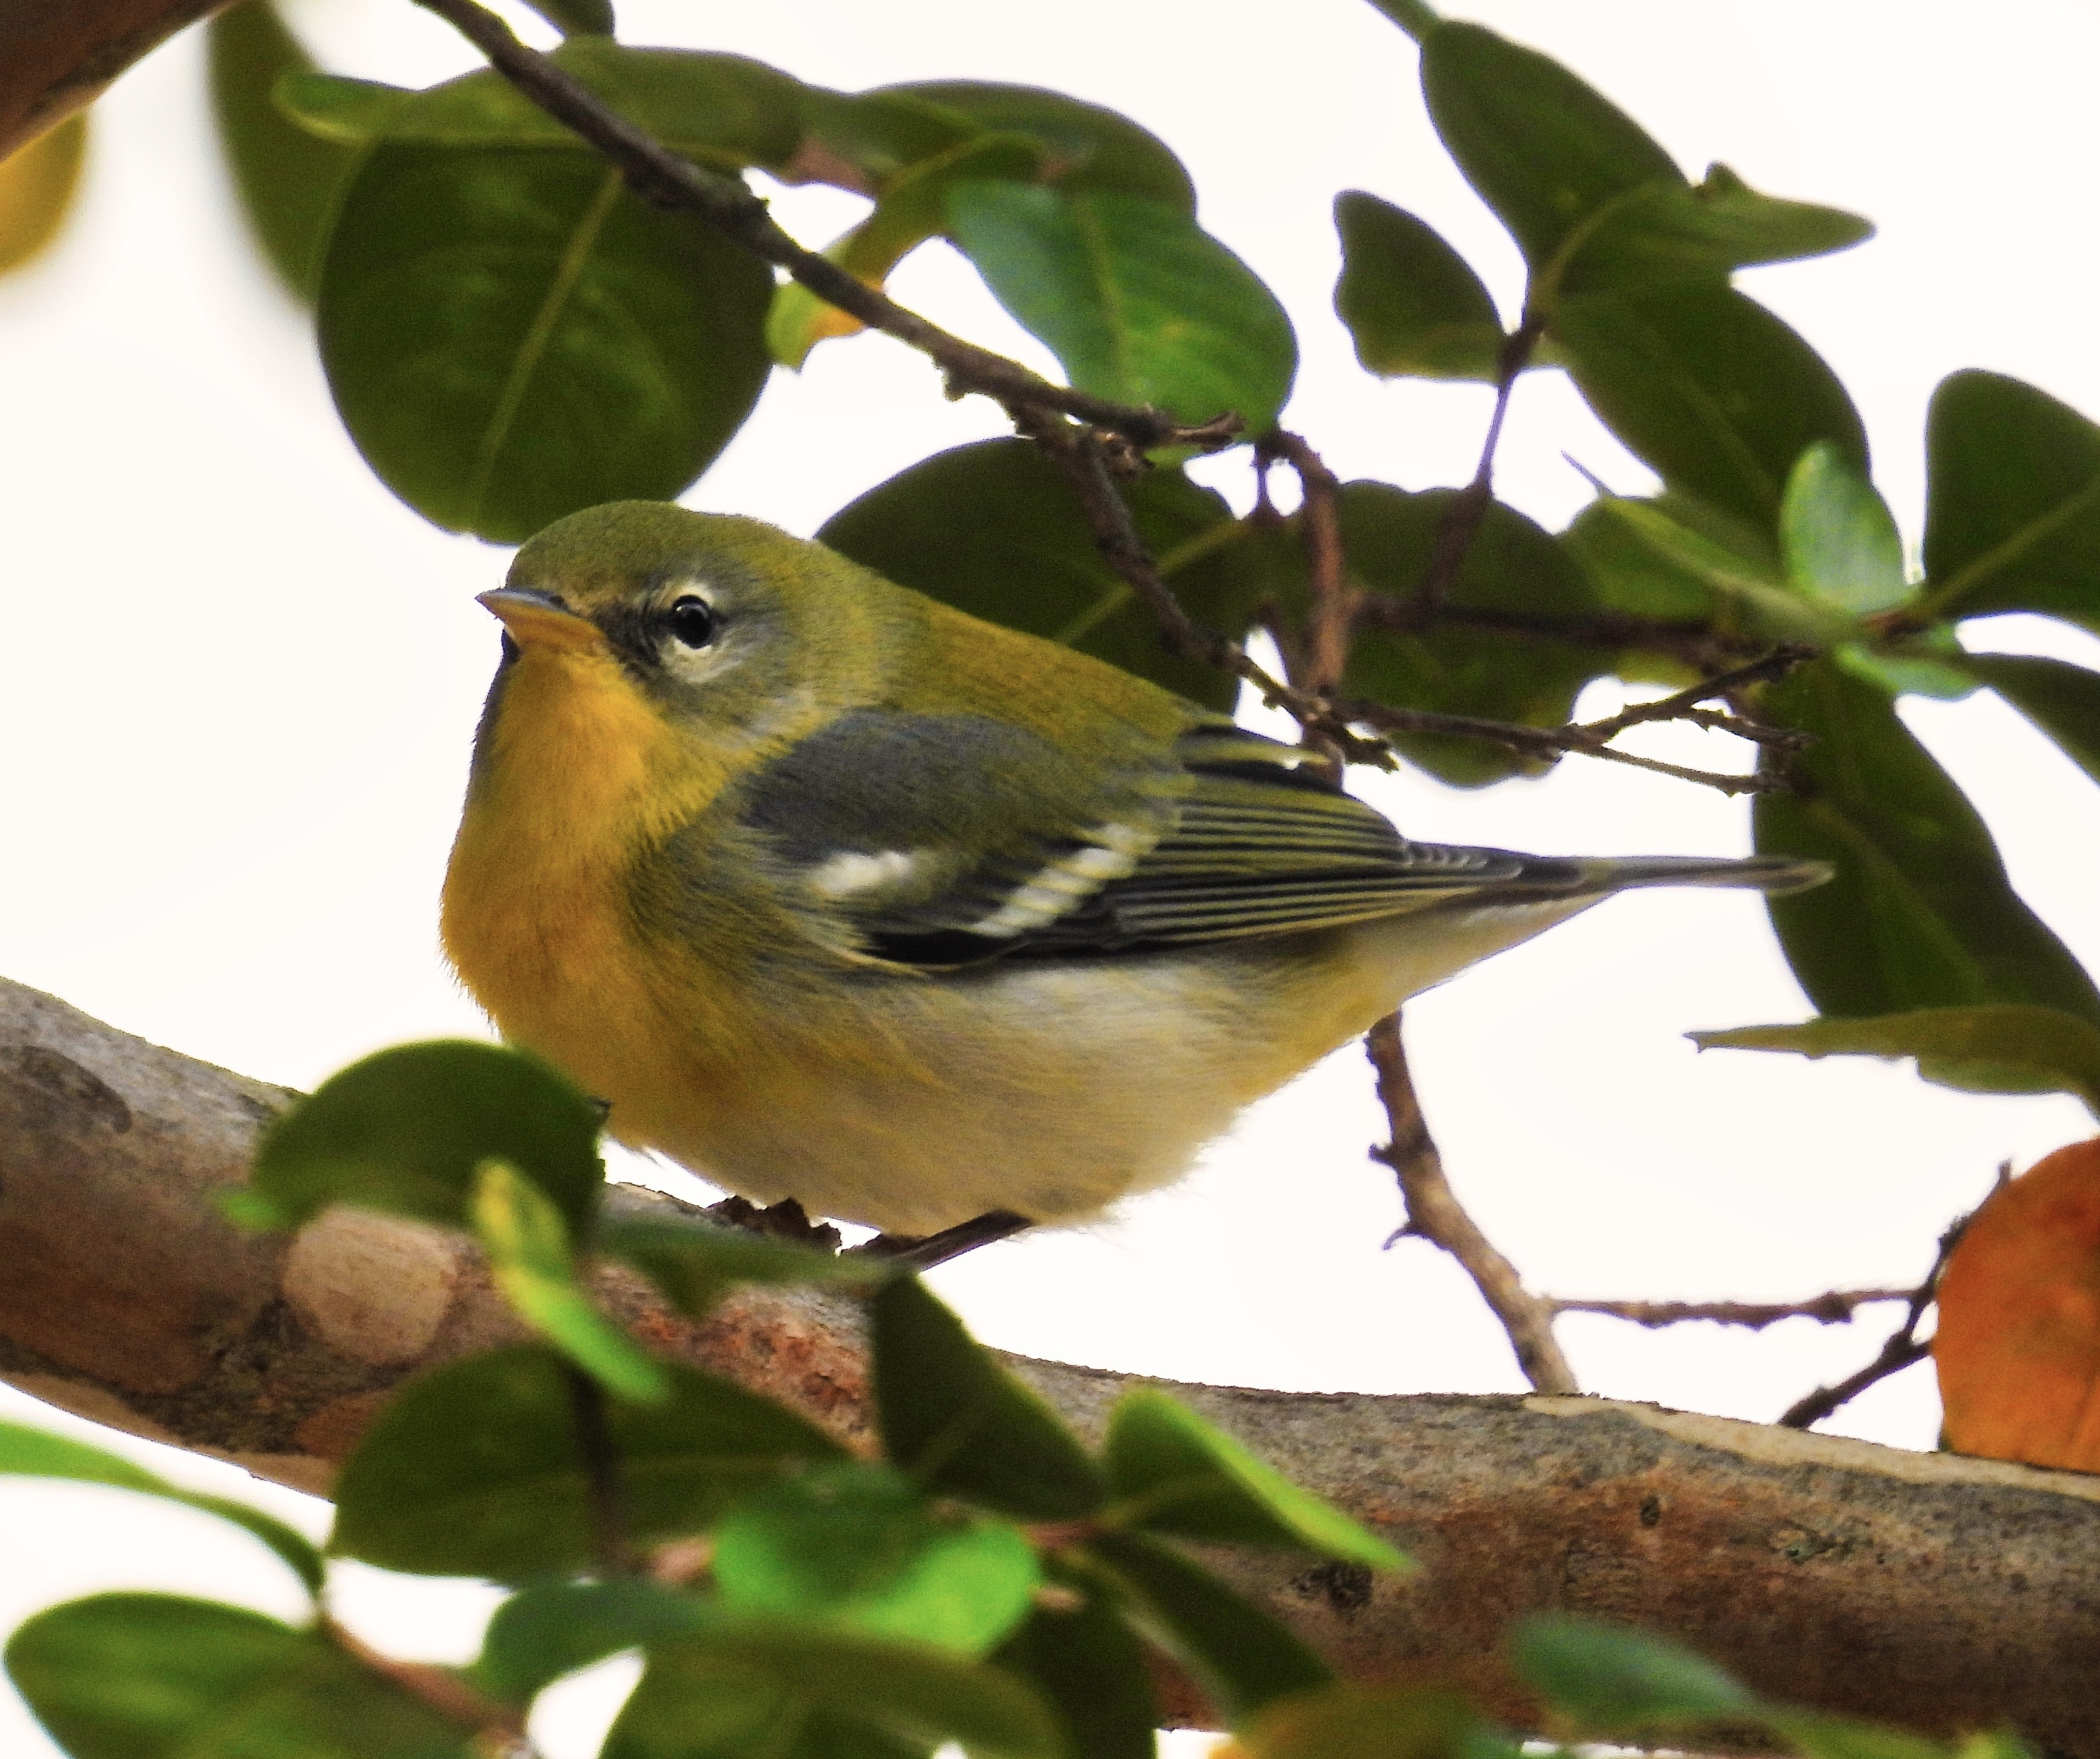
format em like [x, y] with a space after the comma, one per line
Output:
[924, 1253]
[785, 1220]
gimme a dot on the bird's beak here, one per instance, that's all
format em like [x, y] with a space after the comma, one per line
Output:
[539, 619]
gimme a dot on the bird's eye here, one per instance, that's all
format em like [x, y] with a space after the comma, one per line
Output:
[694, 621]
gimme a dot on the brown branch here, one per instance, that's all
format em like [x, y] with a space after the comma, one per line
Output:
[1461, 519]
[1902, 1347]
[57, 55]
[1833, 1308]
[1333, 600]
[502, 1729]
[663, 177]
[1684, 704]
[1434, 1214]
[1941, 1593]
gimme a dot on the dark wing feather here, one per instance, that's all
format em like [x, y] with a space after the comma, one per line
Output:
[1231, 836]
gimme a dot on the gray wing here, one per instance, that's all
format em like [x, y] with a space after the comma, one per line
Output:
[1225, 835]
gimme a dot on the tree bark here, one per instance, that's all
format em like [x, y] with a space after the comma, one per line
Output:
[56, 55]
[1940, 1593]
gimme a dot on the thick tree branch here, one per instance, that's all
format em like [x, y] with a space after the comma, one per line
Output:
[1939, 1593]
[56, 55]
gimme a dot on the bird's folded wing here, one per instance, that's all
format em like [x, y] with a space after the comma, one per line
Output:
[943, 840]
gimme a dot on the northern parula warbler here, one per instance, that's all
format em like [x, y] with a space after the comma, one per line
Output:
[835, 893]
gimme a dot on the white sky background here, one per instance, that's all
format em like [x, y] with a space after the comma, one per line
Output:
[238, 681]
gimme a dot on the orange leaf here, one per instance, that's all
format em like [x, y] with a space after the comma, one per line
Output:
[2018, 1347]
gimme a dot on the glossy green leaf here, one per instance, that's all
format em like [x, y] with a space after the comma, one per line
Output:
[1607, 1678]
[510, 335]
[2012, 502]
[474, 1468]
[1136, 301]
[795, 1691]
[694, 1263]
[158, 1676]
[1921, 914]
[1171, 1472]
[1351, 1722]
[1711, 390]
[1924, 662]
[1546, 150]
[589, 17]
[857, 1546]
[1412, 305]
[726, 110]
[1839, 538]
[2004, 1047]
[26, 1452]
[993, 529]
[407, 1129]
[959, 1423]
[1669, 232]
[2061, 698]
[913, 208]
[1242, 1657]
[1512, 566]
[554, 1629]
[1089, 147]
[529, 1261]
[38, 183]
[861, 140]
[288, 179]
[1082, 1658]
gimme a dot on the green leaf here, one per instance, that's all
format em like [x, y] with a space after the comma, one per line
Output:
[861, 140]
[1670, 232]
[1708, 388]
[2007, 1047]
[1242, 1658]
[1090, 148]
[1352, 1722]
[1082, 1658]
[856, 1546]
[1606, 1678]
[407, 1129]
[1923, 662]
[1675, 558]
[1839, 538]
[1821, 1737]
[1171, 1472]
[510, 335]
[1511, 566]
[695, 1263]
[1136, 301]
[726, 110]
[795, 1691]
[473, 1469]
[288, 181]
[2061, 698]
[1921, 914]
[591, 17]
[554, 1629]
[39, 181]
[529, 1262]
[958, 1422]
[2012, 502]
[993, 529]
[913, 208]
[1412, 303]
[1545, 151]
[26, 1452]
[158, 1676]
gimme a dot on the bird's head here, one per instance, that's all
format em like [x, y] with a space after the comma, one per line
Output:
[719, 625]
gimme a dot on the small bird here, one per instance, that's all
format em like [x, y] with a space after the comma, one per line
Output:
[834, 893]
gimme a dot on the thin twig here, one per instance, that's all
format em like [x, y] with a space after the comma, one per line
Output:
[601, 1464]
[1318, 664]
[1435, 1214]
[663, 177]
[1903, 1345]
[1461, 519]
[1684, 705]
[1833, 1308]
[501, 1729]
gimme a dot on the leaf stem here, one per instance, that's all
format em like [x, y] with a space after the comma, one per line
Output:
[601, 1463]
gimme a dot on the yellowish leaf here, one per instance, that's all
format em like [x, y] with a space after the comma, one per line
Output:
[37, 186]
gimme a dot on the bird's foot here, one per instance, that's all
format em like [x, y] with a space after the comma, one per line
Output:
[923, 1253]
[785, 1220]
